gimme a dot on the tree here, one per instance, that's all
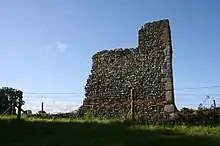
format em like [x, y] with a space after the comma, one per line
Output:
[9, 99]
[29, 112]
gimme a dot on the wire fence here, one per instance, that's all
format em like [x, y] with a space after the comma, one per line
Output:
[190, 97]
[68, 102]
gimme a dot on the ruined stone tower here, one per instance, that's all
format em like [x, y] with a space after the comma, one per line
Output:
[147, 69]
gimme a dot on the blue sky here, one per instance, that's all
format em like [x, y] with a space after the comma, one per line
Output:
[46, 46]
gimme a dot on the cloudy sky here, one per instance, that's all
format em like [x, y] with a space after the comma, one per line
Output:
[46, 46]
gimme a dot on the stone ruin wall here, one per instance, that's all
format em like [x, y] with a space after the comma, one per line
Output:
[147, 68]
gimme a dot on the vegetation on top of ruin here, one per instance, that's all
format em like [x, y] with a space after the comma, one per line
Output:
[151, 23]
[118, 51]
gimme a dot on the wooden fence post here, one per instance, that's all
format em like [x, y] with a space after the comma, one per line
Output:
[132, 104]
[214, 104]
[19, 107]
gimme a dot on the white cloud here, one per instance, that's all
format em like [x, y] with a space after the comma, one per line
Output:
[61, 46]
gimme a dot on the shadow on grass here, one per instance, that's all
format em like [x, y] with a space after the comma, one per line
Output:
[26, 133]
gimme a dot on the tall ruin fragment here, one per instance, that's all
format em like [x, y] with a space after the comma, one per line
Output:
[146, 69]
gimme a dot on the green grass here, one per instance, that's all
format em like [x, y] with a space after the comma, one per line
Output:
[94, 132]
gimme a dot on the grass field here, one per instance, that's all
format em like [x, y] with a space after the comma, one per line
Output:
[64, 132]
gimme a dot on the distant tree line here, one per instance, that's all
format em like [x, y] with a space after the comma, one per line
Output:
[9, 99]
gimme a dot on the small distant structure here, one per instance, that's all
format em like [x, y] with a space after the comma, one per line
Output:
[42, 109]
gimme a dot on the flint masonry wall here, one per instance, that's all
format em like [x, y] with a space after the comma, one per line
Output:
[147, 68]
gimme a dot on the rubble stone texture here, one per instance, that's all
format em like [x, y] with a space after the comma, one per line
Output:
[147, 69]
